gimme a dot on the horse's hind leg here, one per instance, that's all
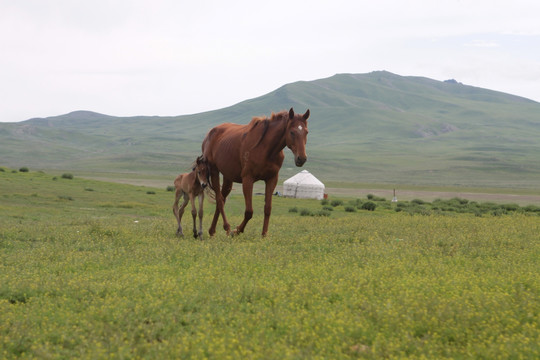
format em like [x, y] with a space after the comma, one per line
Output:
[221, 196]
[219, 199]
[193, 214]
[247, 187]
[201, 202]
[225, 191]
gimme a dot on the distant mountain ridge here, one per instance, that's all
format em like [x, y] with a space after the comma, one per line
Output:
[371, 128]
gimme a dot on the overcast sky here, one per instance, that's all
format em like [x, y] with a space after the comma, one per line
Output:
[176, 57]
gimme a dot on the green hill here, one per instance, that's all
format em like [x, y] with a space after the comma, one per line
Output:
[365, 128]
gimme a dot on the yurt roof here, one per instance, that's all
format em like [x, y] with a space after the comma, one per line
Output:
[303, 177]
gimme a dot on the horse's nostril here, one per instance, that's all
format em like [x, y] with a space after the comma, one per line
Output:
[300, 161]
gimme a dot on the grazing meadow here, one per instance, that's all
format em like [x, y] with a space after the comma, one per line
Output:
[94, 270]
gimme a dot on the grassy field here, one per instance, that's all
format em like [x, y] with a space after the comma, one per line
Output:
[93, 270]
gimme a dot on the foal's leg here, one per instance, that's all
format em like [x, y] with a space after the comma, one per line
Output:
[247, 188]
[268, 193]
[175, 210]
[181, 213]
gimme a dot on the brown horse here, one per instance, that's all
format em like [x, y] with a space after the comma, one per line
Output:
[248, 153]
[191, 185]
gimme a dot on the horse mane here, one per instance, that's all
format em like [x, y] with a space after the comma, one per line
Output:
[265, 121]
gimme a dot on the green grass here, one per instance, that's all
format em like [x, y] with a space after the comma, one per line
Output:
[100, 274]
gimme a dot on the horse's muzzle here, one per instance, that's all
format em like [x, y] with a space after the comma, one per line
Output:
[204, 185]
[299, 161]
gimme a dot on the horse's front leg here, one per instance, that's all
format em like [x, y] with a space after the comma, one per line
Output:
[268, 193]
[247, 188]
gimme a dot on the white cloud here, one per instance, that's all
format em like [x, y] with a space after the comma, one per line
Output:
[482, 44]
[171, 57]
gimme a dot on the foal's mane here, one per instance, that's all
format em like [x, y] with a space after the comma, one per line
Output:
[265, 121]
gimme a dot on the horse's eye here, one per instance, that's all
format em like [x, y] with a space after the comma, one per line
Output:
[293, 134]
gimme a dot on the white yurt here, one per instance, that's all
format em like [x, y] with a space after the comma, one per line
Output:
[303, 186]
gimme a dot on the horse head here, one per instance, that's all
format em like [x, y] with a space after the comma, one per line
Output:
[202, 171]
[296, 136]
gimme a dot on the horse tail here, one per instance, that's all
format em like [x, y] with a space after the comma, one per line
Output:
[211, 194]
[210, 189]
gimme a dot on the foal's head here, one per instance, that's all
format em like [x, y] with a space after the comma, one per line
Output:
[201, 170]
[296, 136]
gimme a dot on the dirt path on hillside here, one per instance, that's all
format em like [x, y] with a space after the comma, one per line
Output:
[362, 193]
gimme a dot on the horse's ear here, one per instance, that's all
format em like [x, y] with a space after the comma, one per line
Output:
[291, 114]
[306, 115]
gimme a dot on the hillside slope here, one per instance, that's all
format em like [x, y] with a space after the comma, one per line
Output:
[377, 128]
